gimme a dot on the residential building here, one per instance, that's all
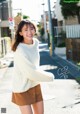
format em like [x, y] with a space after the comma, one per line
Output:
[17, 20]
[61, 21]
[71, 27]
[5, 14]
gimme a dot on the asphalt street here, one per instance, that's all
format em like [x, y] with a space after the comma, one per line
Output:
[61, 68]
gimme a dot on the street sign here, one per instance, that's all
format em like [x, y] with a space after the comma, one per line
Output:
[11, 23]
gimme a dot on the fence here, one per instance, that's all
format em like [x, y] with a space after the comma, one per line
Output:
[71, 31]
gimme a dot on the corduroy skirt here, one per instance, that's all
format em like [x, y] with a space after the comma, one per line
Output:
[28, 97]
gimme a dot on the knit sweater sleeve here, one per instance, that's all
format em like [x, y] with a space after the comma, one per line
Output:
[28, 70]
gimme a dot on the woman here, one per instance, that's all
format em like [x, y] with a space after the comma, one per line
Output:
[27, 76]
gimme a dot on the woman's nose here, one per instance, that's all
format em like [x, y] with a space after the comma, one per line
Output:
[29, 30]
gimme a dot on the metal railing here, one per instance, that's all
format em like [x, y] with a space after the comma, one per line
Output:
[71, 31]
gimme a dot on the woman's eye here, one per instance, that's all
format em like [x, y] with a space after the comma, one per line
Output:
[32, 28]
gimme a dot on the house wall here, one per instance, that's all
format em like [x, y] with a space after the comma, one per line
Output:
[4, 15]
[17, 20]
[68, 21]
[71, 20]
[4, 11]
[58, 11]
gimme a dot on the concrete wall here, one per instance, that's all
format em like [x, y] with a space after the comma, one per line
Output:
[58, 11]
[71, 20]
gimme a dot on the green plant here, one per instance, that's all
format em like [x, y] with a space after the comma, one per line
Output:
[41, 31]
[61, 45]
[62, 34]
[25, 17]
[70, 9]
[78, 79]
[5, 35]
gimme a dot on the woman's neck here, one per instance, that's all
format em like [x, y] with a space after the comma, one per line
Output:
[28, 42]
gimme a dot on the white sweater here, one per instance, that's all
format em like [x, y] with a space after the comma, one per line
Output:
[26, 67]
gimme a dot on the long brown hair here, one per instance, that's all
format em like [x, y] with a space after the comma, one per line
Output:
[18, 37]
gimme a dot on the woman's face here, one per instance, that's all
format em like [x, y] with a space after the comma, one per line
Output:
[27, 32]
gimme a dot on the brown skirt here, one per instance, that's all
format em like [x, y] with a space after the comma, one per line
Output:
[29, 97]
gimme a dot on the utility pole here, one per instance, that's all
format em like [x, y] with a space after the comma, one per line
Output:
[51, 48]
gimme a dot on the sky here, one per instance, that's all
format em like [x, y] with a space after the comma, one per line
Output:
[31, 8]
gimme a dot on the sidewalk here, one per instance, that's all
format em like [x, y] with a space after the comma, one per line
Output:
[61, 52]
[5, 62]
[62, 96]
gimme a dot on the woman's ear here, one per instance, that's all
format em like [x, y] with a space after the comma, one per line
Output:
[20, 33]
